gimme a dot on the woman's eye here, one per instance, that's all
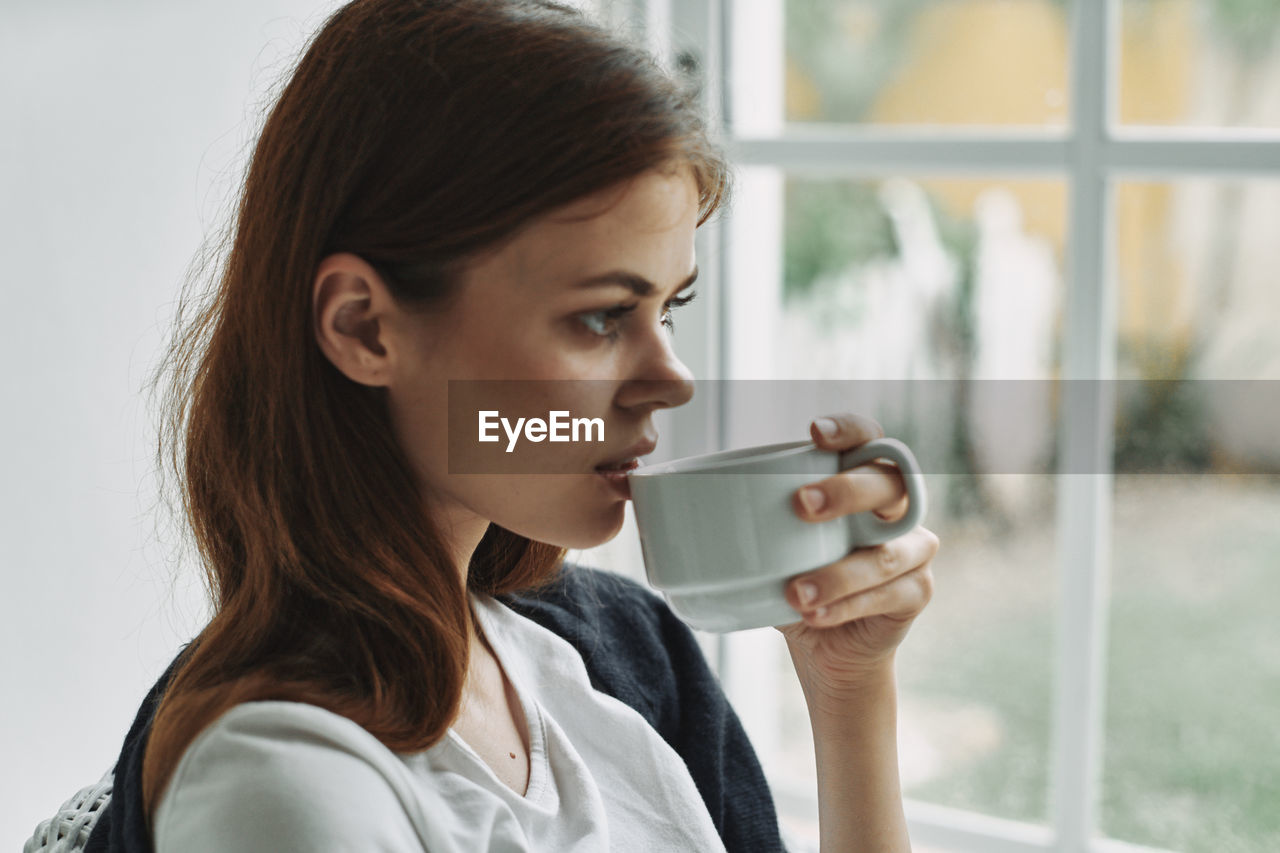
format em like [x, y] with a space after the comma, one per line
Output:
[668, 319]
[604, 323]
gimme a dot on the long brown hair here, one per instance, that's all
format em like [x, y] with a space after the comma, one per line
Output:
[412, 133]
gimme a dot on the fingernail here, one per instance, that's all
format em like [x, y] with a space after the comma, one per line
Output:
[813, 499]
[807, 592]
[826, 426]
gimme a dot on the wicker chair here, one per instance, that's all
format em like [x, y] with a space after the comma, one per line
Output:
[68, 830]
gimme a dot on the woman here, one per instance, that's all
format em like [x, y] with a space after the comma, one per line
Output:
[426, 200]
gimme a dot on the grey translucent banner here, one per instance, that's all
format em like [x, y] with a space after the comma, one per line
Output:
[953, 426]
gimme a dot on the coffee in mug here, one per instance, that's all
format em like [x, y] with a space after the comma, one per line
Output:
[720, 537]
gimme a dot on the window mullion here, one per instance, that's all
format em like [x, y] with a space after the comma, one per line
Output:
[872, 153]
[1231, 153]
[1084, 479]
[877, 152]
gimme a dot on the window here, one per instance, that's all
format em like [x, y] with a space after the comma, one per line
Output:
[1064, 190]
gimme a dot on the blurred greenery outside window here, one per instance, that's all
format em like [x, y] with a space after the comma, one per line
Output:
[1191, 263]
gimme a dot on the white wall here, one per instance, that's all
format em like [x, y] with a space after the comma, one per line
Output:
[121, 133]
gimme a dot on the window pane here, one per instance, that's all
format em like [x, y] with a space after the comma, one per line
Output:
[1194, 673]
[921, 281]
[1200, 63]
[903, 62]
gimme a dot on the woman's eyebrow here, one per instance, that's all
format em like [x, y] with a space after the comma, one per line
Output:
[639, 285]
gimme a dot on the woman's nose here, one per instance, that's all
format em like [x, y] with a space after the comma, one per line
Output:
[662, 381]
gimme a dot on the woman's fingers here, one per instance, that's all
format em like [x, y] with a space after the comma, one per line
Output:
[876, 486]
[865, 574]
[901, 598]
[844, 431]
[893, 579]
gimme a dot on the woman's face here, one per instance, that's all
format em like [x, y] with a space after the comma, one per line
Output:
[524, 313]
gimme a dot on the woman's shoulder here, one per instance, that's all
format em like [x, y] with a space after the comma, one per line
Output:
[269, 725]
[283, 775]
[282, 736]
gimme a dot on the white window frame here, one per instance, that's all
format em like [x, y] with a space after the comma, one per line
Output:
[1089, 155]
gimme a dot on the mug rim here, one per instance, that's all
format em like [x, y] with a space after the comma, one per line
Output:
[705, 462]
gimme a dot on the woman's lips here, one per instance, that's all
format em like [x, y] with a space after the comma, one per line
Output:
[629, 465]
[616, 477]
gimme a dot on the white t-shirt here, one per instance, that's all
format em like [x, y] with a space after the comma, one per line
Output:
[288, 776]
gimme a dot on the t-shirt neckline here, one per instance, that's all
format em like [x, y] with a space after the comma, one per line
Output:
[539, 769]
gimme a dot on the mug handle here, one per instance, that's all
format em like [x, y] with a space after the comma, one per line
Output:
[867, 528]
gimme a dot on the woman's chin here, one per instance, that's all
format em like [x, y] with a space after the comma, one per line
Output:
[567, 512]
[595, 528]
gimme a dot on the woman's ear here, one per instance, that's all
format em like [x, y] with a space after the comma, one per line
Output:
[350, 312]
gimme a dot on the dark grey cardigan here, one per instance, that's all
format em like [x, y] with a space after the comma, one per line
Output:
[635, 649]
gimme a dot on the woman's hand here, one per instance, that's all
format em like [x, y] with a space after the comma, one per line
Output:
[857, 610]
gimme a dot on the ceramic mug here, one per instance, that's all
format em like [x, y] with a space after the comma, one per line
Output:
[720, 537]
